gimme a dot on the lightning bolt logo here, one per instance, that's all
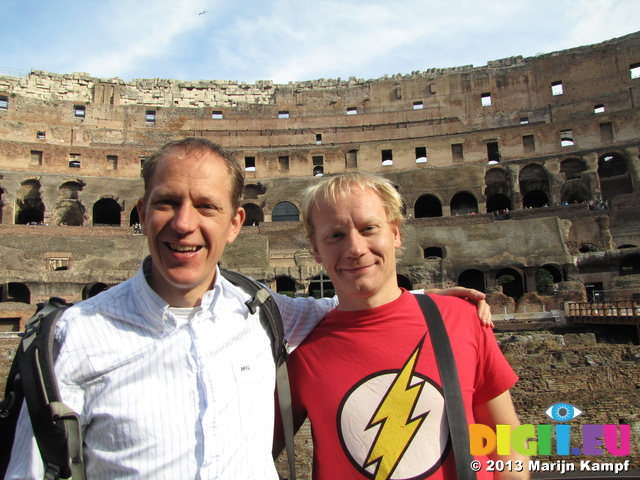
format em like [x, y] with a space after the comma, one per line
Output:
[397, 427]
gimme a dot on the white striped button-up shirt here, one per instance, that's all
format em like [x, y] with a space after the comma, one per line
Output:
[164, 396]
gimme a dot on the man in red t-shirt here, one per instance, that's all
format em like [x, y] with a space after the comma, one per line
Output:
[367, 376]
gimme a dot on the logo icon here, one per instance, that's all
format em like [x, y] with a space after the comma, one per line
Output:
[563, 412]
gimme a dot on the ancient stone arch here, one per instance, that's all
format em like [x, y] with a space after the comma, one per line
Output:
[427, 205]
[93, 289]
[511, 281]
[29, 205]
[472, 278]
[254, 214]
[321, 286]
[615, 178]
[106, 211]
[285, 285]
[68, 209]
[534, 186]
[18, 292]
[404, 282]
[575, 191]
[285, 212]
[434, 253]
[498, 190]
[463, 203]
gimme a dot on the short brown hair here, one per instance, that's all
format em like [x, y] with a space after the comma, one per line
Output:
[188, 146]
[332, 187]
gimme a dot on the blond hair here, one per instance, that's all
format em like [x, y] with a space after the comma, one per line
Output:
[341, 185]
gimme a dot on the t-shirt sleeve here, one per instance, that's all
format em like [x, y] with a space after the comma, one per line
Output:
[494, 374]
[301, 315]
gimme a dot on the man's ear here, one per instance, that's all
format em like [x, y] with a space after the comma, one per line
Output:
[316, 254]
[236, 224]
[397, 238]
[142, 215]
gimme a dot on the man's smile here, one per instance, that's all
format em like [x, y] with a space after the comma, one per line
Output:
[182, 248]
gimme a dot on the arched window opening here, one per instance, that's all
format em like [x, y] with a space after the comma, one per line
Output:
[463, 203]
[627, 245]
[106, 213]
[498, 190]
[433, 253]
[575, 191]
[404, 282]
[511, 282]
[534, 186]
[93, 289]
[29, 216]
[614, 175]
[286, 286]
[630, 265]
[546, 277]
[611, 165]
[535, 199]
[134, 217]
[254, 215]
[318, 171]
[499, 203]
[321, 286]
[29, 206]
[428, 206]
[68, 209]
[285, 212]
[472, 279]
[18, 292]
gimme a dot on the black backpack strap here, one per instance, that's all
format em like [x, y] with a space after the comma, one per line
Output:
[272, 323]
[56, 427]
[269, 313]
[456, 416]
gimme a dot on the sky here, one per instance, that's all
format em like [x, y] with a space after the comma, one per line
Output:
[293, 40]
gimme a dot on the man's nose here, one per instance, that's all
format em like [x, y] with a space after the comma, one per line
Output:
[184, 219]
[356, 245]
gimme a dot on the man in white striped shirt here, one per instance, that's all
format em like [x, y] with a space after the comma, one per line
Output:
[171, 375]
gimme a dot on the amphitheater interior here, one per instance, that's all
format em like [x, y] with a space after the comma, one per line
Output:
[520, 178]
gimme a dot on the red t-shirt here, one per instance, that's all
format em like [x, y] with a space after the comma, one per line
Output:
[369, 383]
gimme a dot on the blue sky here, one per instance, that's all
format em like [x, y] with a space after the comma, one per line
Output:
[293, 40]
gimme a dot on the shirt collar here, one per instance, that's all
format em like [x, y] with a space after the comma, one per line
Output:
[155, 309]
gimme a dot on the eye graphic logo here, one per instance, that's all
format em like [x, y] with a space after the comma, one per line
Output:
[563, 412]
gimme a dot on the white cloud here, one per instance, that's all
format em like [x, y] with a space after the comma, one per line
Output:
[594, 22]
[295, 40]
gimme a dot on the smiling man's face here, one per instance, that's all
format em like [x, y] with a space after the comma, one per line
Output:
[356, 244]
[188, 218]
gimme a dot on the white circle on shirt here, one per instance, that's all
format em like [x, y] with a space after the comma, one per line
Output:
[411, 442]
